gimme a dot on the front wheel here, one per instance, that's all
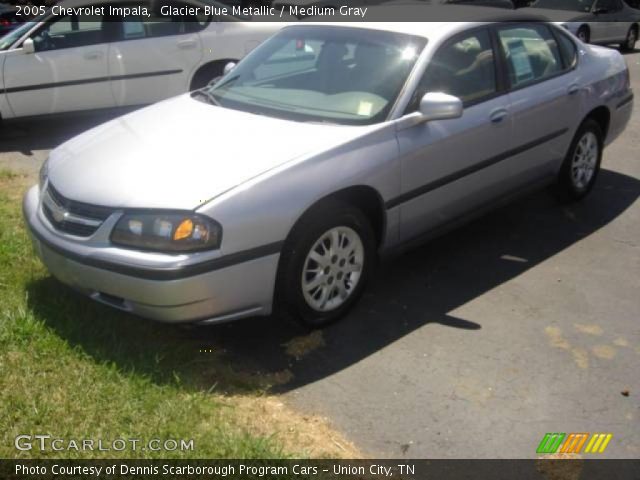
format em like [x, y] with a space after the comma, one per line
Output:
[582, 163]
[325, 264]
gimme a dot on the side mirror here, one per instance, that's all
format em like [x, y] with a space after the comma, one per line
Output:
[440, 106]
[28, 46]
[228, 67]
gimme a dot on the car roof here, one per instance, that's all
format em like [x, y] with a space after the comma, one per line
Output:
[468, 16]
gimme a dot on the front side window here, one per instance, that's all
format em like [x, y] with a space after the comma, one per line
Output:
[68, 32]
[324, 74]
[464, 67]
[531, 52]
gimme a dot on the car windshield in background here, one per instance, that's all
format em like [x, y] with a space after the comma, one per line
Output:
[322, 74]
[11, 37]
[569, 5]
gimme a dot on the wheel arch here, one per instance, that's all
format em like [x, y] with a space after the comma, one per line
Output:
[363, 197]
[602, 116]
[206, 69]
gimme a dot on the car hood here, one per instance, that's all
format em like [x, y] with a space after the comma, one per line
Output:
[180, 153]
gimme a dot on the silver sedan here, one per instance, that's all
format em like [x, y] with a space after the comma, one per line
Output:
[601, 22]
[276, 188]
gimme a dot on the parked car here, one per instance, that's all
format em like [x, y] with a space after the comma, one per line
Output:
[9, 19]
[276, 188]
[59, 64]
[508, 4]
[600, 22]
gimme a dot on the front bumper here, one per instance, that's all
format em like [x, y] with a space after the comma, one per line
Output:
[215, 290]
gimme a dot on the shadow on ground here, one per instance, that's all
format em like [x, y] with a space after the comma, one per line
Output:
[47, 133]
[416, 289]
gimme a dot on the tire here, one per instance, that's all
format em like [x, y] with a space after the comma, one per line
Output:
[629, 44]
[205, 75]
[584, 34]
[317, 292]
[581, 166]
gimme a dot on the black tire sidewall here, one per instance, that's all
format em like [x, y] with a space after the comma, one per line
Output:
[567, 187]
[290, 299]
[587, 36]
[625, 46]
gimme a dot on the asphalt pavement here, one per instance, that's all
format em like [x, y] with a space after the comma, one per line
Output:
[524, 322]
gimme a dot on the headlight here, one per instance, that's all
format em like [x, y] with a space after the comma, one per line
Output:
[44, 173]
[168, 232]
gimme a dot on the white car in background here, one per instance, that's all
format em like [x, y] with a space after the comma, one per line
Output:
[58, 64]
[602, 22]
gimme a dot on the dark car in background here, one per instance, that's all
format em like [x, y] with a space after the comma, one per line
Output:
[9, 18]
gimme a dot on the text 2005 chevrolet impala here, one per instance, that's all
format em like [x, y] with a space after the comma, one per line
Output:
[276, 188]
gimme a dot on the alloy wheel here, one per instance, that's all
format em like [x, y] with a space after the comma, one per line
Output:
[585, 160]
[332, 269]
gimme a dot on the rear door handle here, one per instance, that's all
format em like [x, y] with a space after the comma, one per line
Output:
[93, 55]
[186, 44]
[498, 115]
[573, 89]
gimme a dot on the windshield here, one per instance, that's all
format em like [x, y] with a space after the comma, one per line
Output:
[322, 74]
[11, 37]
[570, 5]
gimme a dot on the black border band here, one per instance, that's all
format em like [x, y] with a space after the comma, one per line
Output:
[410, 195]
[165, 274]
[624, 102]
[70, 83]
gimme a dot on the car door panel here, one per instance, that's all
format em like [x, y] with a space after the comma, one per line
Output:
[450, 166]
[155, 59]
[545, 105]
[58, 79]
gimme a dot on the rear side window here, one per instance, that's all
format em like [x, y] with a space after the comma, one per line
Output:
[531, 52]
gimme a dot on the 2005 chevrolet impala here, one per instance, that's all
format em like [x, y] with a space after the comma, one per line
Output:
[276, 187]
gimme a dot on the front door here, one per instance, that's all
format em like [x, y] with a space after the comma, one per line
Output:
[155, 57]
[451, 166]
[67, 72]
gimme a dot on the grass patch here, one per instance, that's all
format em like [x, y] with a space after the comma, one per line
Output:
[74, 369]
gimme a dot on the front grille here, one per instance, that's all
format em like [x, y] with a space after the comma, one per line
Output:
[78, 208]
[79, 219]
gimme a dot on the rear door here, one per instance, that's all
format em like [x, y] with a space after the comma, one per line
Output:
[545, 97]
[451, 166]
[155, 56]
[67, 72]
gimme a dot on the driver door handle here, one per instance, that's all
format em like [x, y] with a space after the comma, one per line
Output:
[93, 55]
[186, 44]
[498, 115]
[573, 89]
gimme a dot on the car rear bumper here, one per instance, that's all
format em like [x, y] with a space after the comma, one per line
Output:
[227, 292]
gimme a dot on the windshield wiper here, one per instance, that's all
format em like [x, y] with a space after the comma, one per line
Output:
[208, 96]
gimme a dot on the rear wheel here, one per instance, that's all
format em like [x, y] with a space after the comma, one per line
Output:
[583, 34]
[629, 44]
[582, 163]
[325, 264]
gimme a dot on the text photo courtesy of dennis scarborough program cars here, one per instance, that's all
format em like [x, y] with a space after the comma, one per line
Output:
[308, 239]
